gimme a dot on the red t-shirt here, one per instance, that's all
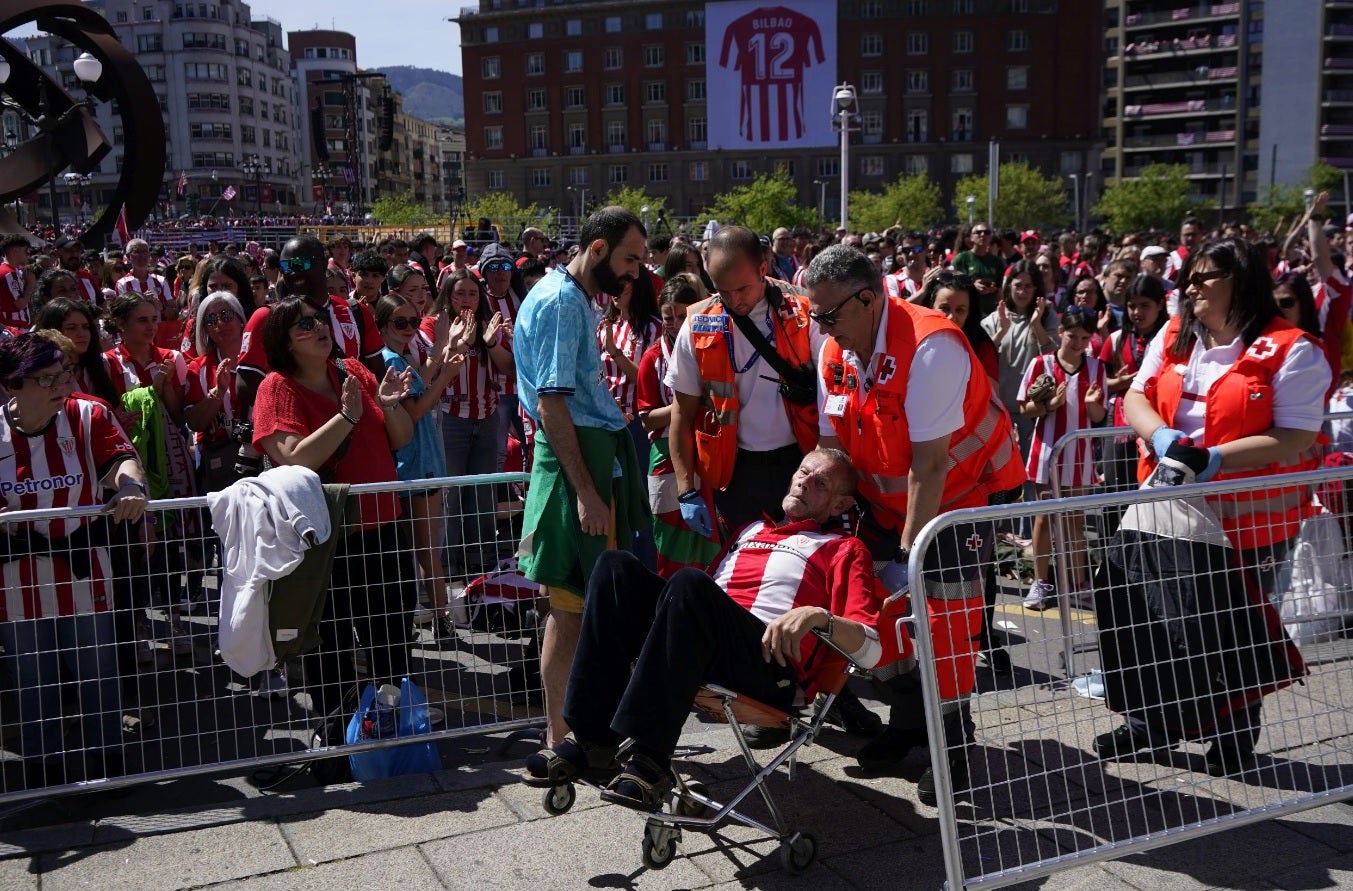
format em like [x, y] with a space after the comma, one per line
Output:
[285, 406]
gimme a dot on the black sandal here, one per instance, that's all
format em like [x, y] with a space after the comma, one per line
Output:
[642, 785]
[568, 761]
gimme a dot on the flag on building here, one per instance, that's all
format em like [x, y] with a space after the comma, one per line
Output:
[229, 193]
[183, 182]
[124, 232]
[348, 176]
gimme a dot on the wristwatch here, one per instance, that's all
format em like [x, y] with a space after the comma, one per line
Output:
[689, 495]
[141, 486]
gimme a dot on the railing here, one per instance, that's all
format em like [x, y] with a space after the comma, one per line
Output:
[1181, 14]
[139, 691]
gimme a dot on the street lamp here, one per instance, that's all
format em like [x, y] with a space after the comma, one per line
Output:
[253, 166]
[88, 70]
[821, 201]
[1076, 200]
[843, 108]
[643, 211]
[581, 202]
[970, 201]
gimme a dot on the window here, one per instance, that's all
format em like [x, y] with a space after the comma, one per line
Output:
[263, 82]
[1017, 77]
[615, 94]
[698, 171]
[535, 30]
[1017, 157]
[695, 54]
[695, 18]
[655, 134]
[577, 138]
[1069, 162]
[540, 178]
[960, 163]
[614, 58]
[871, 9]
[491, 34]
[963, 125]
[963, 80]
[573, 60]
[1017, 117]
[871, 45]
[917, 164]
[655, 91]
[577, 176]
[493, 137]
[871, 82]
[493, 102]
[495, 180]
[918, 125]
[695, 90]
[785, 167]
[828, 167]
[612, 24]
[653, 21]
[151, 43]
[962, 41]
[573, 27]
[741, 170]
[1017, 41]
[574, 97]
[535, 63]
[871, 165]
[617, 174]
[1022, 6]
[197, 40]
[244, 78]
[653, 56]
[535, 100]
[657, 173]
[212, 71]
[918, 7]
[962, 7]
[211, 131]
[213, 159]
[697, 132]
[918, 43]
[615, 134]
[871, 123]
[918, 80]
[216, 101]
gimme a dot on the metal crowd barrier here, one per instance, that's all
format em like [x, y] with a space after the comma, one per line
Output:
[1039, 798]
[140, 693]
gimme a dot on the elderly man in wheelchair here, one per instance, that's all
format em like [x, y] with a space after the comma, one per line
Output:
[771, 621]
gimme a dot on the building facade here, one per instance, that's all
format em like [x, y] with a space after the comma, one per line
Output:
[227, 93]
[566, 101]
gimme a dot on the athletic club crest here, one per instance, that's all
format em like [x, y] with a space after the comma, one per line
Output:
[67, 446]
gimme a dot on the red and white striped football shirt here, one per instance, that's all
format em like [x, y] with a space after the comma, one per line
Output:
[155, 285]
[201, 379]
[59, 467]
[473, 392]
[1077, 464]
[508, 304]
[11, 289]
[900, 285]
[632, 344]
[651, 390]
[128, 374]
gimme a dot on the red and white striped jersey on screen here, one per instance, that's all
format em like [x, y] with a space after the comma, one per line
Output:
[771, 47]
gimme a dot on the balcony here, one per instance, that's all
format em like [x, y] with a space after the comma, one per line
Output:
[616, 148]
[1181, 139]
[1336, 32]
[1181, 46]
[657, 146]
[540, 152]
[1178, 109]
[1198, 12]
[577, 150]
[698, 145]
[1336, 131]
[1200, 76]
[1338, 97]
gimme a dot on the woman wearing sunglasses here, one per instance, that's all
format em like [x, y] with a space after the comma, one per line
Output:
[424, 458]
[331, 415]
[1229, 390]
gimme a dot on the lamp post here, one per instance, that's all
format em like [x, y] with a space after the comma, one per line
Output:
[643, 211]
[821, 201]
[88, 70]
[1076, 200]
[970, 201]
[322, 173]
[843, 105]
[253, 166]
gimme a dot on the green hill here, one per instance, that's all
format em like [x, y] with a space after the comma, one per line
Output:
[436, 96]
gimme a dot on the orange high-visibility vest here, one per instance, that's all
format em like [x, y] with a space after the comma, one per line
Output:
[1240, 404]
[716, 431]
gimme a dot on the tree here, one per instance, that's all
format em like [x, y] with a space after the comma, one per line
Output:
[1026, 199]
[400, 211]
[770, 201]
[912, 202]
[1159, 198]
[1286, 204]
[635, 200]
[503, 210]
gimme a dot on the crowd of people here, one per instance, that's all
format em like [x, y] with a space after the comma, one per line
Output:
[715, 408]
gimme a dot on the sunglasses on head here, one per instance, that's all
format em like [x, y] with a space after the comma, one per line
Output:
[404, 324]
[218, 318]
[296, 264]
[498, 266]
[308, 323]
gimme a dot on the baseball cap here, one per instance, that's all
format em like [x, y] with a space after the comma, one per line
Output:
[1028, 234]
[65, 241]
[1154, 250]
[458, 244]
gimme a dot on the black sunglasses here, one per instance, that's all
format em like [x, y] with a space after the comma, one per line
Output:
[1198, 279]
[218, 318]
[308, 323]
[404, 324]
[497, 266]
[296, 264]
[828, 319]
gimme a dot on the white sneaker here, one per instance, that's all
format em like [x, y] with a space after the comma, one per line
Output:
[1041, 595]
[274, 683]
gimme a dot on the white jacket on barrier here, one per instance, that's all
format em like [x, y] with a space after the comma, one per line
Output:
[265, 524]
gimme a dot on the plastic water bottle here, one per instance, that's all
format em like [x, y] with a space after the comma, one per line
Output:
[386, 707]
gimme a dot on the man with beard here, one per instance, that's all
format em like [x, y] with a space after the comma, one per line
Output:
[587, 488]
[70, 253]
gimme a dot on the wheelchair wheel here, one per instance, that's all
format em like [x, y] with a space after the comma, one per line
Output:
[686, 806]
[656, 855]
[798, 853]
[558, 799]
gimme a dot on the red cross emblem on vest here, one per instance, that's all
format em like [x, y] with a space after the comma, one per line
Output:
[974, 542]
[1263, 347]
[887, 368]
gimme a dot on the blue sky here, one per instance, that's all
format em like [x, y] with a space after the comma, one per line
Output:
[389, 32]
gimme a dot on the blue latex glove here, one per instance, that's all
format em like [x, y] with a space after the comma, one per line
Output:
[896, 577]
[1213, 465]
[1163, 438]
[696, 514]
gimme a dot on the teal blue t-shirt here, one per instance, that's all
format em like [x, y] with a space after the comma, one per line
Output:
[424, 458]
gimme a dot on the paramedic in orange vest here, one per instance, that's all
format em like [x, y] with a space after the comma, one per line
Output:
[906, 397]
[1230, 375]
[739, 426]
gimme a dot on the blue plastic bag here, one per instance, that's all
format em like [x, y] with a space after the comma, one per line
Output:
[379, 764]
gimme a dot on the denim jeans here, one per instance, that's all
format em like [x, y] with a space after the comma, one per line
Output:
[471, 527]
[44, 654]
[509, 421]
